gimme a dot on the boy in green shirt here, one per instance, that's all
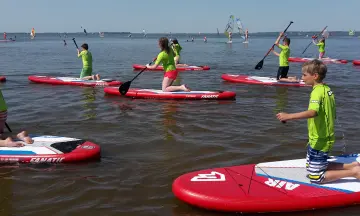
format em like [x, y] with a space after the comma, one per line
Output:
[8, 142]
[284, 59]
[321, 115]
[321, 46]
[177, 49]
[86, 56]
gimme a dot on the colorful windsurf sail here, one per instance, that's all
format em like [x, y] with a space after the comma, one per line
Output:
[229, 26]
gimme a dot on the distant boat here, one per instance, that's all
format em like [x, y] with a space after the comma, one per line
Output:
[101, 34]
[144, 32]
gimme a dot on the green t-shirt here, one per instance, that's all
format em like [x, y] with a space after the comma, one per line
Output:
[321, 127]
[3, 106]
[86, 58]
[167, 60]
[284, 55]
[177, 49]
[321, 46]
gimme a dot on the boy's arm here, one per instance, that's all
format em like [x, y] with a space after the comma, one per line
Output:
[278, 39]
[300, 115]
[79, 53]
[276, 53]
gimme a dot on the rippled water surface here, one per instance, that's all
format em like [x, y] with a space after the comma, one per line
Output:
[146, 144]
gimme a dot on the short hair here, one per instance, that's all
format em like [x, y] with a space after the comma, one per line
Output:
[315, 66]
[85, 46]
[287, 40]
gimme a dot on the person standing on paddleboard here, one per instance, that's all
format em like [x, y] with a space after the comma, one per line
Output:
[177, 49]
[321, 46]
[8, 142]
[321, 116]
[4, 35]
[283, 59]
[166, 58]
[230, 36]
[86, 56]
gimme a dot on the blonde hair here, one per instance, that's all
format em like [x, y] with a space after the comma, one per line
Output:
[315, 66]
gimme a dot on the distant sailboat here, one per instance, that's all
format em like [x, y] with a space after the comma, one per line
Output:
[144, 32]
[32, 33]
[101, 34]
[240, 28]
[229, 28]
[218, 31]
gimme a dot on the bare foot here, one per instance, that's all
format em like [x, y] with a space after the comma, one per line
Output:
[25, 137]
[97, 77]
[185, 88]
[10, 143]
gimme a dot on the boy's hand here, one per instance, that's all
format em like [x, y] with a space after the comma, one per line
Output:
[283, 116]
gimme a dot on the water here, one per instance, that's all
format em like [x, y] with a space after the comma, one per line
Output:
[146, 144]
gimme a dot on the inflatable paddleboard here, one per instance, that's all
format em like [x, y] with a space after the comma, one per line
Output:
[159, 94]
[2, 79]
[51, 149]
[325, 60]
[280, 186]
[160, 68]
[356, 62]
[72, 81]
[259, 80]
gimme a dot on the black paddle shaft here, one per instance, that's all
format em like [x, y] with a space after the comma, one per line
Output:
[75, 43]
[274, 44]
[124, 88]
[8, 127]
[260, 64]
[314, 38]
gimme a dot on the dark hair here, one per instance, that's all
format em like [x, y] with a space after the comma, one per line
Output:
[315, 66]
[85, 46]
[287, 40]
[323, 40]
[175, 41]
[164, 44]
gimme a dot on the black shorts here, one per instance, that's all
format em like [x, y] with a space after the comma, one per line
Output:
[282, 72]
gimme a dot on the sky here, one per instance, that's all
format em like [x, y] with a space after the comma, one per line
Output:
[180, 16]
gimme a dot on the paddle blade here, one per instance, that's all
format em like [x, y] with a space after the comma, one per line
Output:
[124, 88]
[259, 65]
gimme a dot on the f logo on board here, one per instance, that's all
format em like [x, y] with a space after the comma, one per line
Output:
[213, 176]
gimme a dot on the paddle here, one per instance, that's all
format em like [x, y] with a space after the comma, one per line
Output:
[75, 43]
[260, 64]
[124, 88]
[7, 126]
[316, 36]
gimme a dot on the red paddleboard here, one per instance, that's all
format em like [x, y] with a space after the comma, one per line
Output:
[259, 80]
[160, 68]
[159, 94]
[72, 81]
[280, 186]
[51, 149]
[356, 62]
[2, 79]
[325, 60]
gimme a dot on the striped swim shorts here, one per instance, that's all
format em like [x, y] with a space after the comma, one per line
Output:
[316, 164]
